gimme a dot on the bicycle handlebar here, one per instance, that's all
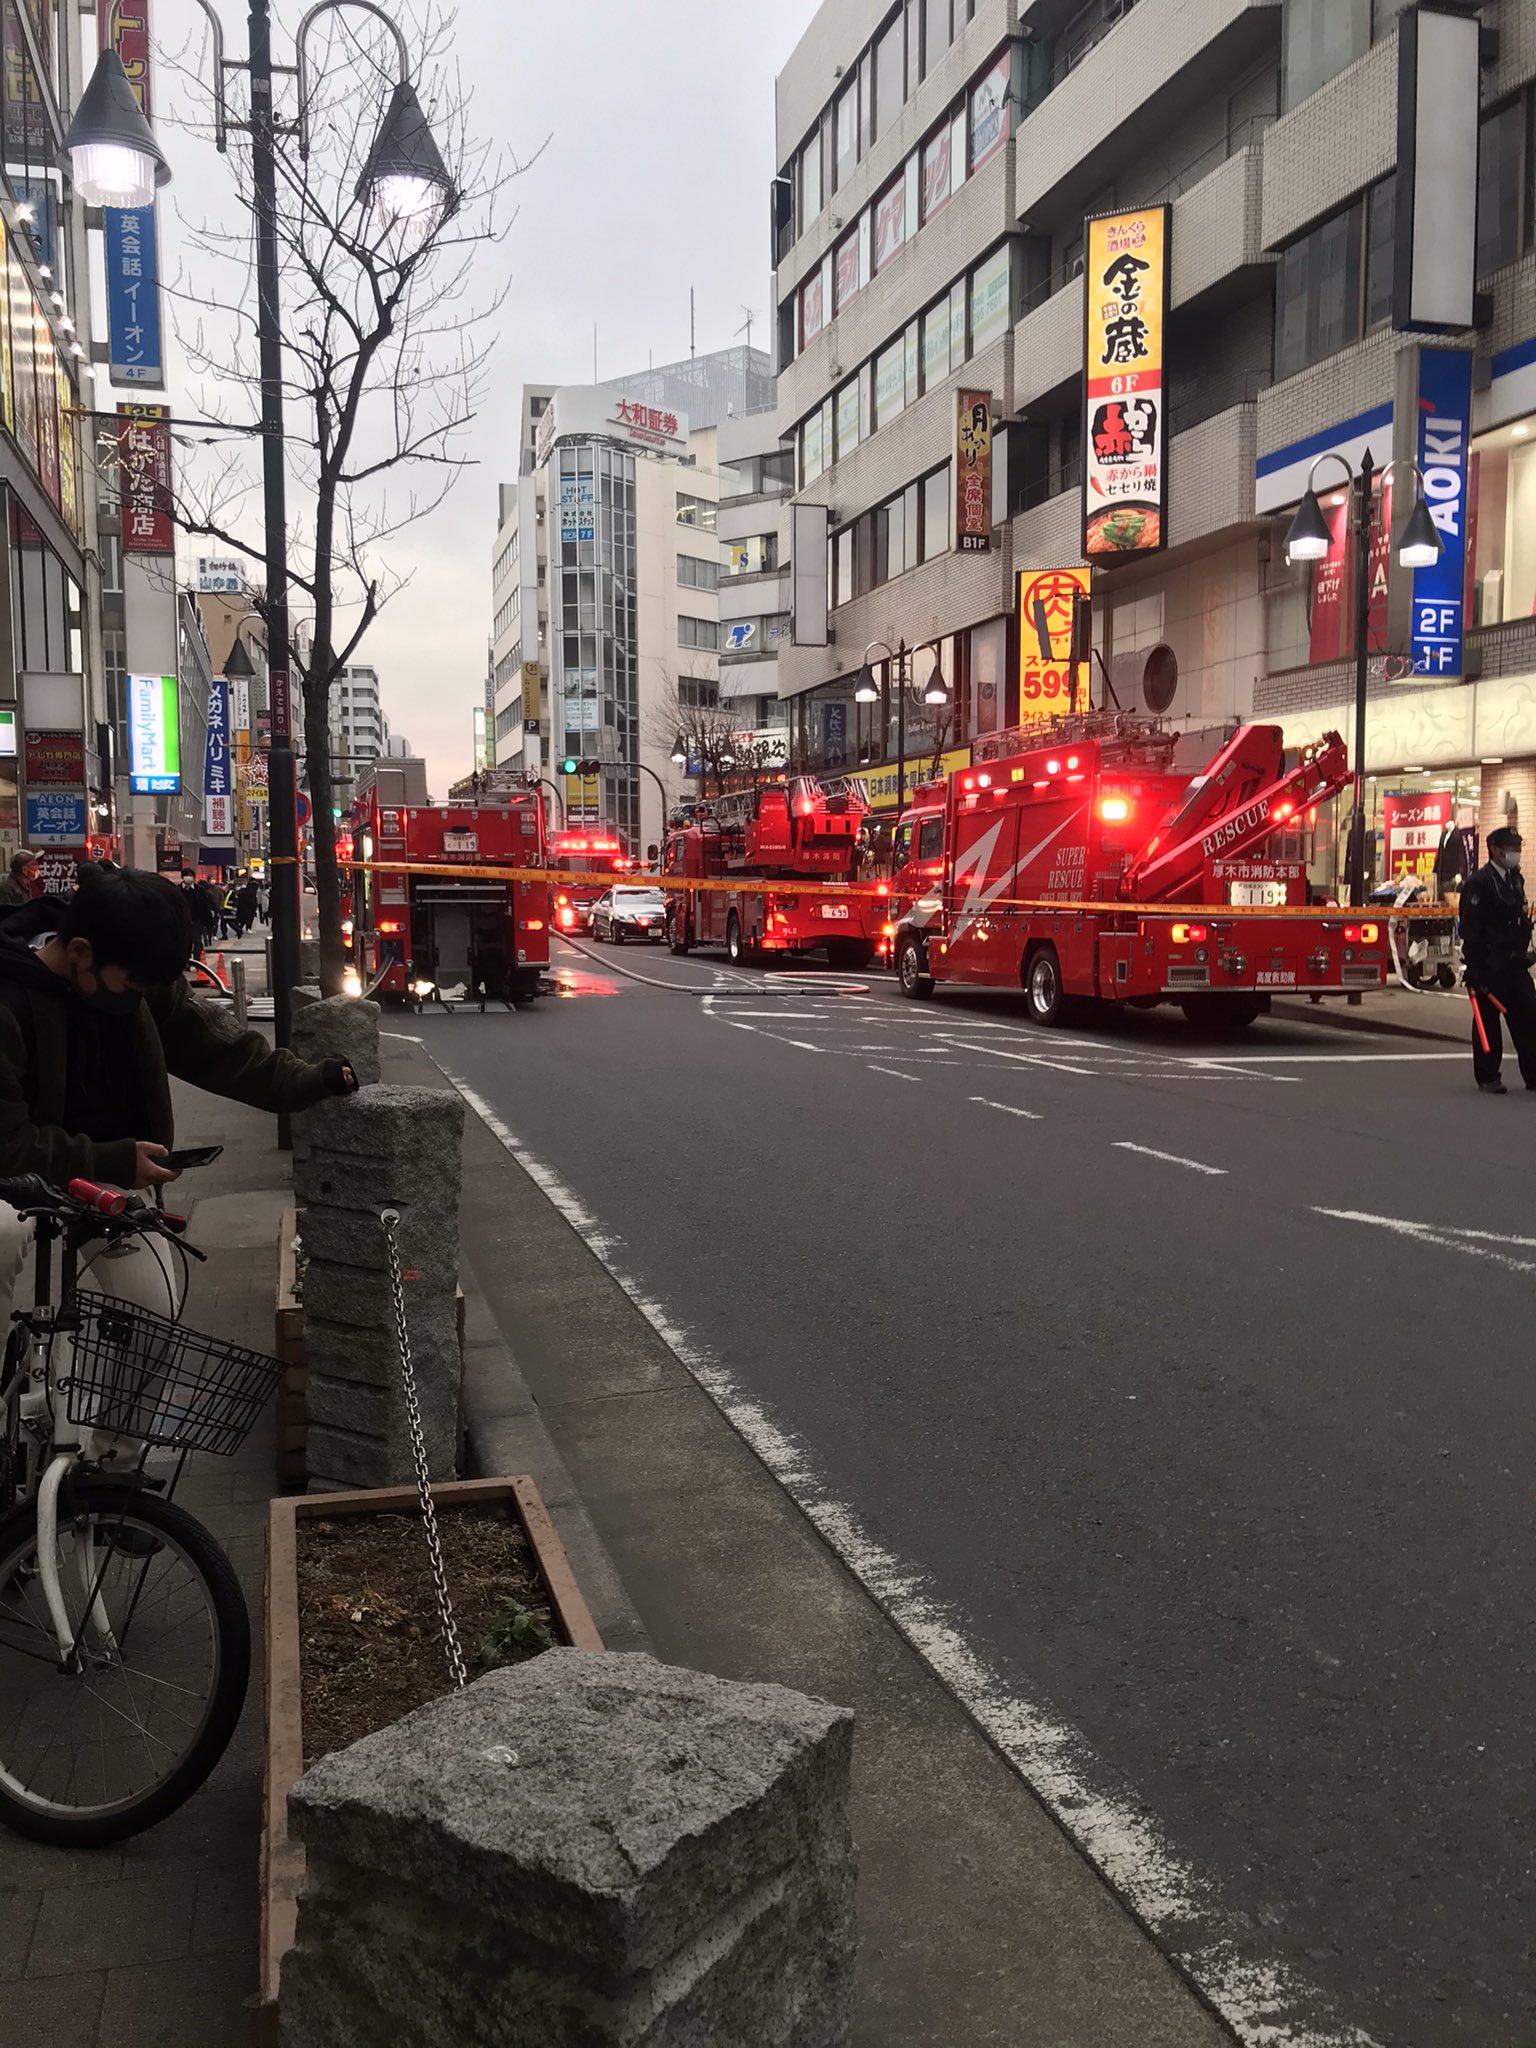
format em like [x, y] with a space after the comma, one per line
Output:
[33, 1196]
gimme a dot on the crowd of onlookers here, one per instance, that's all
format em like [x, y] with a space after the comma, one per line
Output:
[220, 910]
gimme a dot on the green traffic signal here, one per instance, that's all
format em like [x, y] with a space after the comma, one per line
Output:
[578, 764]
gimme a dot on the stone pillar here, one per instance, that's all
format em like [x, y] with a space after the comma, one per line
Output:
[340, 1028]
[385, 1148]
[580, 1852]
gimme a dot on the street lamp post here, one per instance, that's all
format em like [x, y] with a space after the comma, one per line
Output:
[867, 692]
[114, 160]
[1308, 539]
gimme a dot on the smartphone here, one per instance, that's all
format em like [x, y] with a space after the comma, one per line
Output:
[195, 1155]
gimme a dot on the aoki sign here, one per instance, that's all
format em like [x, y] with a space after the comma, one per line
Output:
[1442, 448]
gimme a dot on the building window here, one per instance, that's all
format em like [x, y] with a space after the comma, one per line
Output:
[991, 307]
[695, 573]
[936, 331]
[895, 223]
[813, 447]
[1320, 39]
[890, 73]
[1380, 229]
[1317, 293]
[842, 566]
[695, 512]
[697, 693]
[845, 124]
[937, 497]
[704, 633]
[813, 307]
[991, 110]
[890, 383]
[753, 556]
[935, 33]
[846, 419]
[810, 181]
[1502, 185]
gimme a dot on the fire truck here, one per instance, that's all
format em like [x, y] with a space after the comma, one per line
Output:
[594, 852]
[419, 934]
[761, 843]
[1092, 811]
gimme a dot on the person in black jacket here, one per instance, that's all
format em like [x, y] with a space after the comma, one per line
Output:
[1496, 950]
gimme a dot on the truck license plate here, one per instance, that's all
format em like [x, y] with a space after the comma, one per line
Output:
[1258, 895]
[835, 910]
[461, 842]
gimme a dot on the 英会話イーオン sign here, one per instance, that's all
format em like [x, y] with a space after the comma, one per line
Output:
[1125, 484]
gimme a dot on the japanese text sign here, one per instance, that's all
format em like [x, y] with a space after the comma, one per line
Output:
[218, 778]
[1415, 826]
[1124, 429]
[54, 757]
[124, 27]
[1045, 687]
[56, 817]
[144, 456]
[128, 234]
[973, 472]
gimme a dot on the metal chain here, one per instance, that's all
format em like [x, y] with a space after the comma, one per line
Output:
[388, 1218]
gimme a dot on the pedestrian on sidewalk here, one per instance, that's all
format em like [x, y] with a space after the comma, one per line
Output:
[246, 906]
[204, 906]
[1496, 952]
[25, 881]
[226, 902]
[95, 1014]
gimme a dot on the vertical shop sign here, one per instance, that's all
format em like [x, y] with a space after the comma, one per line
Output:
[1125, 484]
[129, 237]
[1331, 635]
[1046, 687]
[1415, 825]
[144, 458]
[973, 472]
[218, 782]
[1443, 453]
[154, 736]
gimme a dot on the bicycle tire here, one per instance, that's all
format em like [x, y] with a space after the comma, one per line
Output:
[123, 1501]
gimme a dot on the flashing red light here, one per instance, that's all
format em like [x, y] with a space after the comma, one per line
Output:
[1053, 767]
[884, 889]
[533, 924]
[1114, 810]
[1071, 760]
[1284, 810]
[967, 782]
[1189, 935]
[389, 927]
[1362, 934]
[567, 919]
[561, 901]
[983, 782]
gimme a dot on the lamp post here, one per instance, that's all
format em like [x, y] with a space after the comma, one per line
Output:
[114, 160]
[867, 691]
[1308, 539]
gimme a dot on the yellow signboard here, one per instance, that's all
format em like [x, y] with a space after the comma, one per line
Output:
[1045, 687]
[530, 689]
[881, 783]
[1125, 481]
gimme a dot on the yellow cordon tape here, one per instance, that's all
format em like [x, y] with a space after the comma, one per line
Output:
[757, 886]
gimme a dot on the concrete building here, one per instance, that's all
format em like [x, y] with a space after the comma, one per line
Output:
[605, 583]
[359, 728]
[756, 476]
[936, 164]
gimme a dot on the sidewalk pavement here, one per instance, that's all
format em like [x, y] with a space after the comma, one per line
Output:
[1394, 1011]
[153, 1944]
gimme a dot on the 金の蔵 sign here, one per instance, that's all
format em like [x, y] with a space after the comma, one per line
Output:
[973, 472]
[1125, 485]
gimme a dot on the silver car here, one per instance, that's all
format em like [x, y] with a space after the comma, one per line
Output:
[621, 913]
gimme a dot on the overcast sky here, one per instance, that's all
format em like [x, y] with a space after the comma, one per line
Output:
[654, 178]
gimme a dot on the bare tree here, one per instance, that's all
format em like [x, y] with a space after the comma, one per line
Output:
[385, 361]
[690, 709]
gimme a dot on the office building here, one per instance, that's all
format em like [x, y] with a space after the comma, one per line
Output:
[936, 166]
[359, 729]
[756, 475]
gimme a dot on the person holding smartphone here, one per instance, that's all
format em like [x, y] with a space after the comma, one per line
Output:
[95, 1016]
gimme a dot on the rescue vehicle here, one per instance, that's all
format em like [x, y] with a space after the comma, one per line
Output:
[1093, 813]
[581, 853]
[760, 843]
[419, 934]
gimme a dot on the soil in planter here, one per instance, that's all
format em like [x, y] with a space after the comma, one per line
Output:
[370, 1648]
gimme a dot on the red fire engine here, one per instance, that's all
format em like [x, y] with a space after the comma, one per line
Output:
[596, 853]
[762, 842]
[419, 934]
[1093, 811]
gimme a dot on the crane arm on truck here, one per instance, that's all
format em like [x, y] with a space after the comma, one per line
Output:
[1237, 804]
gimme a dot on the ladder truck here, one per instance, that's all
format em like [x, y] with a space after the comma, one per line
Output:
[1148, 866]
[750, 871]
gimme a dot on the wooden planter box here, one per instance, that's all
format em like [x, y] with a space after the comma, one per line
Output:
[282, 1859]
[291, 1457]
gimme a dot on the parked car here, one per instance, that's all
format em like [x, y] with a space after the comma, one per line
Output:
[622, 913]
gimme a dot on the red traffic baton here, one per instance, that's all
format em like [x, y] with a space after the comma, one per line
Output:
[1477, 1015]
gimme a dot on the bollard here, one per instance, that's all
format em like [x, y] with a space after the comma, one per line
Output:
[580, 1852]
[237, 987]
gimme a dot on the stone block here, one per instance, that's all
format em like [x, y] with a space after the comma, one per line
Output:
[384, 1147]
[343, 1352]
[428, 1240]
[580, 1852]
[365, 1300]
[340, 1028]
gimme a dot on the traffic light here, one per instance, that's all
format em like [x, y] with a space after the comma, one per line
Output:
[580, 765]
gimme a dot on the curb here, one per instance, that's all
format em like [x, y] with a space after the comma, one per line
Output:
[506, 1435]
[1329, 1020]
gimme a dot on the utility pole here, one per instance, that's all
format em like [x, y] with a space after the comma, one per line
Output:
[287, 882]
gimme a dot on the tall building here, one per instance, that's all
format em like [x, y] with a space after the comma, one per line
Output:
[937, 164]
[359, 728]
[605, 579]
[756, 475]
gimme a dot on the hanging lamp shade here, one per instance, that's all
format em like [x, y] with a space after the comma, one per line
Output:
[109, 148]
[405, 180]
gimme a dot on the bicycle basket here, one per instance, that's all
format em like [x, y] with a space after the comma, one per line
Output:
[137, 1375]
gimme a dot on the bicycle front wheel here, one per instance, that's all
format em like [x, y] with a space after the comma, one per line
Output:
[109, 1746]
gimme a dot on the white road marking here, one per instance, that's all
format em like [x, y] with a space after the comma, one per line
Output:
[738, 1027]
[410, 1038]
[1028, 1059]
[1008, 1108]
[1172, 1158]
[800, 1044]
[782, 1016]
[1326, 1059]
[895, 1072]
[1428, 1233]
[1266, 2003]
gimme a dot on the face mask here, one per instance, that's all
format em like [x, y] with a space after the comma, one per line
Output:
[1512, 862]
[108, 1002]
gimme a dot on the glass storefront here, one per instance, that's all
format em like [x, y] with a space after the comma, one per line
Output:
[1503, 525]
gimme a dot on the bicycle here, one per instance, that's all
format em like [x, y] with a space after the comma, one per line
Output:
[125, 1644]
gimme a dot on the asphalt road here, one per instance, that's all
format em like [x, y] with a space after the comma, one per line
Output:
[1093, 1331]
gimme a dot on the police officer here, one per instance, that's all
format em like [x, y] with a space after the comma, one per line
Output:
[1495, 945]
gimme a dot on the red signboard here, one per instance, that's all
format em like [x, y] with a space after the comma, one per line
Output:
[1333, 587]
[144, 460]
[54, 757]
[124, 27]
[1415, 826]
